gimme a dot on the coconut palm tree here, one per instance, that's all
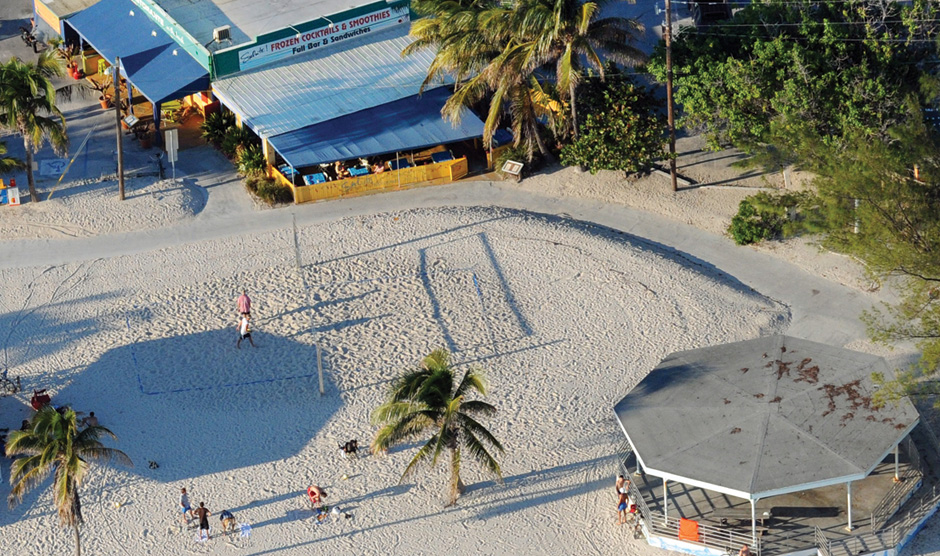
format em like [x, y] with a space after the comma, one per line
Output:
[8, 163]
[430, 399]
[53, 444]
[567, 34]
[28, 107]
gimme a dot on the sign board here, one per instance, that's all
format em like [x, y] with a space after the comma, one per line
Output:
[53, 166]
[176, 32]
[512, 168]
[13, 196]
[172, 144]
[264, 53]
[131, 121]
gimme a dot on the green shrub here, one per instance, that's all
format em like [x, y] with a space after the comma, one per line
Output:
[251, 161]
[216, 125]
[237, 137]
[766, 216]
[268, 190]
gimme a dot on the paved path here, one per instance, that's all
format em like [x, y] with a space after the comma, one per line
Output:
[821, 310]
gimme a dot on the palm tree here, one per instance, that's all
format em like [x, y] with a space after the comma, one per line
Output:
[53, 445]
[566, 33]
[28, 107]
[8, 163]
[430, 399]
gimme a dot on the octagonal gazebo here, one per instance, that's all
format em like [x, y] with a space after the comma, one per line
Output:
[762, 418]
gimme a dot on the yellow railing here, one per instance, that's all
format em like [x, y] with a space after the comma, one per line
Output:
[390, 180]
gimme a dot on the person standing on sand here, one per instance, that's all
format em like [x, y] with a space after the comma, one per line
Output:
[203, 514]
[185, 507]
[244, 332]
[622, 508]
[244, 304]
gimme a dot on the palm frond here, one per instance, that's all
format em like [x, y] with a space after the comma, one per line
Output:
[479, 452]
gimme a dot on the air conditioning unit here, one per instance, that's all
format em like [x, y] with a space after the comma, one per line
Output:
[223, 33]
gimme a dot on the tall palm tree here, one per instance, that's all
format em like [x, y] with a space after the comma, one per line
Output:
[53, 445]
[566, 34]
[429, 399]
[28, 107]
[8, 163]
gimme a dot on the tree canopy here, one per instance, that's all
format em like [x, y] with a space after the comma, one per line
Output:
[623, 127]
[501, 54]
[794, 75]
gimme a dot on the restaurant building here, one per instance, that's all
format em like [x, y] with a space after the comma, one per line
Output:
[319, 82]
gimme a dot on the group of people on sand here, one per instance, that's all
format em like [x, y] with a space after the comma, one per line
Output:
[202, 513]
[625, 506]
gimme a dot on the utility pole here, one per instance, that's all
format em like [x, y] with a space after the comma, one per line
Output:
[116, 71]
[667, 35]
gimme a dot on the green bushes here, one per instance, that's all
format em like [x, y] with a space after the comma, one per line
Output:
[519, 154]
[268, 190]
[216, 125]
[251, 161]
[766, 216]
[237, 139]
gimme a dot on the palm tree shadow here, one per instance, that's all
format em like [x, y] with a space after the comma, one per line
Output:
[523, 498]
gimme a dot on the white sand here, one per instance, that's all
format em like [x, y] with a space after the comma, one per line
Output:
[566, 317]
[91, 207]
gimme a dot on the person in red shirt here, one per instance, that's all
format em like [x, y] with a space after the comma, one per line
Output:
[244, 304]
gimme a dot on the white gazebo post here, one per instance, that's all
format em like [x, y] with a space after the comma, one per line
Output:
[753, 523]
[639, 467]
[849, 489]
[665, 502]
[897, 477]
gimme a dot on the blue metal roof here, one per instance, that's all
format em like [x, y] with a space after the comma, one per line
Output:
[146, 50]
[411, 123]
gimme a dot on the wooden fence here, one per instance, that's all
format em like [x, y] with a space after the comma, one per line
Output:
[390, 180]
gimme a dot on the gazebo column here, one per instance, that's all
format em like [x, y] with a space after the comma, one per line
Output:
[753, 522]
[897, 477]
[665, 501]
[849, 512]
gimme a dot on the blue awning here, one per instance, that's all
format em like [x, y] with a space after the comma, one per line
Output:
[146, 50]
[412, 123]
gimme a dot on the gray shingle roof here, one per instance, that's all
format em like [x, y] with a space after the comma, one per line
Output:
[763, 417]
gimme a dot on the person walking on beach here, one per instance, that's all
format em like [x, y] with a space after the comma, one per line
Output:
[244, 332]
[203, 514]
[185, 507]
[244, 304]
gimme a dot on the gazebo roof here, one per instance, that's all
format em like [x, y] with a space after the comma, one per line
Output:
[762, 417]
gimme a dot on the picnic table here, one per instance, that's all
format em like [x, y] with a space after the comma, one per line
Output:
[722, 515]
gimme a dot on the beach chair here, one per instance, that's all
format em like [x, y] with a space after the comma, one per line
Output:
[399, 164]
[355, 172]
[40, 399]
